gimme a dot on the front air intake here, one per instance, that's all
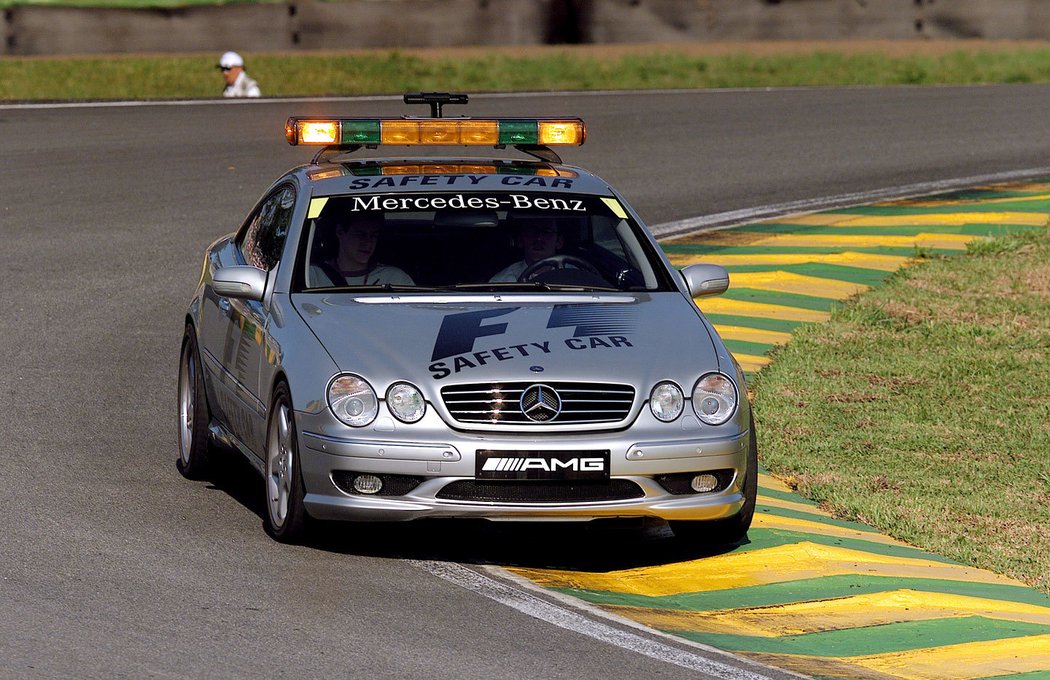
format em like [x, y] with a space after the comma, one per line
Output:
[483, 491]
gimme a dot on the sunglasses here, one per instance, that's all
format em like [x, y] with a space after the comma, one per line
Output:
[226, 68]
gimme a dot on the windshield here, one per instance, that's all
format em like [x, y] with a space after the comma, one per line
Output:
[476, 242]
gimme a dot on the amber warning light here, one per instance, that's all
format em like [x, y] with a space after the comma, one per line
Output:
[436, 131]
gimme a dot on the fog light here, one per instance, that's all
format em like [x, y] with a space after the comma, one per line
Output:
[701, 483]
[370, 484]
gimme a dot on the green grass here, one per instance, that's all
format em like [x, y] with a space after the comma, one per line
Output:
[392, 72]
[923, 408]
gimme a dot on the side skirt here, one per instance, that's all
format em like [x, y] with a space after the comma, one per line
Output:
[223, 437]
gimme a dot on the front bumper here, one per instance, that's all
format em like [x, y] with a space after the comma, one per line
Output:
[438, 464]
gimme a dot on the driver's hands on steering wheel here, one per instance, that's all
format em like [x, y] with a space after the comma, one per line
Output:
[554, 263]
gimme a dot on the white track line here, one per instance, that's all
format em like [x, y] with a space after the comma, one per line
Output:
[191, 102]
[221, 101]
[544, 610]
[732, 218]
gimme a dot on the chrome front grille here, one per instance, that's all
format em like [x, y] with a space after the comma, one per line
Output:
[501, 403]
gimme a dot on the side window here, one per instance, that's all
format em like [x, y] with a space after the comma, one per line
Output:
[265, 235]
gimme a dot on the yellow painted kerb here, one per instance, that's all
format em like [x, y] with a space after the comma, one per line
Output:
[787, 282]
[751, 363]
[769, 521]
[941, 219]
[803, 618]
[964, 661]
[885, 263]
[772, 483]
[779, 564]
[846, 241]
[760, 310]
[752, 335]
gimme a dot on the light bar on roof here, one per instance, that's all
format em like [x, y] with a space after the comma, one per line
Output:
[436, 131]
[463, 169]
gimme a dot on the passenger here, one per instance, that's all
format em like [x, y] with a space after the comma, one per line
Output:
[353, 263]
[538, 238]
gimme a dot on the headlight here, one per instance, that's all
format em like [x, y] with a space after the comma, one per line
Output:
[666, 401]
[405, 402]
[353, 400]
[714, 398]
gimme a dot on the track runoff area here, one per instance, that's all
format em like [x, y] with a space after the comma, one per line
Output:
[810, 593]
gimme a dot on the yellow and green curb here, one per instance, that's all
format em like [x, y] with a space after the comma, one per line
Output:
[795, 270]
[809, 592]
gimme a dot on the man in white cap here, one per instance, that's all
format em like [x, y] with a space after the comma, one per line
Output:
[238, 84]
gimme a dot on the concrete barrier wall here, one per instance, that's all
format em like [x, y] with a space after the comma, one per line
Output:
[626, 21]
[67, 30]
[341, 24]
[611, 21]
[420, 23]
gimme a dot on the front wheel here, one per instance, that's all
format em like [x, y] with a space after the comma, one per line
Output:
[286, 518]
[732, 529]
[194, 448]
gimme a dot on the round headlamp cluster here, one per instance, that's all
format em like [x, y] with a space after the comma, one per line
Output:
[666, 401]
[354, 401]
[714, 399]
[406, 402]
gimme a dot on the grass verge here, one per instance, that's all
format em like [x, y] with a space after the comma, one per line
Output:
[923, 408]
[393, 72]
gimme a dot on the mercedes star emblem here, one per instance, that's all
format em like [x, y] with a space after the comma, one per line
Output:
[540, 403]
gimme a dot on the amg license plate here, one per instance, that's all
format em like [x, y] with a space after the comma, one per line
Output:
[542, 464]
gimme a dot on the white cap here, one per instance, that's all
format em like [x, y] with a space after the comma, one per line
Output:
[230, 59]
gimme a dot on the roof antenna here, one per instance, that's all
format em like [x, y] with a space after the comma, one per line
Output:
[436, 100]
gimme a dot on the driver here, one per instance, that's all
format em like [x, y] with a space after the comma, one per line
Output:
[539, 238]
[354, 263]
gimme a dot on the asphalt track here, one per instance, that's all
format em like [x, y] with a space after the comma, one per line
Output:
[112, 565]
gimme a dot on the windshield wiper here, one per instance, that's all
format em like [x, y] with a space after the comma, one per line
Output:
[377, 287]
[531, 285]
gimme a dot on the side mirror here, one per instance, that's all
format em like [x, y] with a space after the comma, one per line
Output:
[704, 280]
[244, 282]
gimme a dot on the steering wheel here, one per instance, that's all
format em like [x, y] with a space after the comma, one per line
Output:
[556, 262]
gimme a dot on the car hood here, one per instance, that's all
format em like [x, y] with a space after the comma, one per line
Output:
[636, 339]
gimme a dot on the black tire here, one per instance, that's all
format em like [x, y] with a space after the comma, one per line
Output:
[732, 529]
[286, 519]
[193, 414]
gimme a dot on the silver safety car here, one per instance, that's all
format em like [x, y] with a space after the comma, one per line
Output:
[391, 339]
